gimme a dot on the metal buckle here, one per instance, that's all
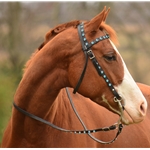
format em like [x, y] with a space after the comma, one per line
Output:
[91, 54]
[117, 100]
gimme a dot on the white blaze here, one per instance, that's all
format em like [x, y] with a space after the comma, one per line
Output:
[131, 94]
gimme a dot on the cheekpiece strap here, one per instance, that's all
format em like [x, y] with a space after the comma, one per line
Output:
[86, 47]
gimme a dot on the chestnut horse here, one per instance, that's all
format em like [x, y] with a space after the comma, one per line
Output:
[94, 69]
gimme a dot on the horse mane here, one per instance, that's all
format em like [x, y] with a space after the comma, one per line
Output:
[56, 30]
[50, 35]
[53, 32]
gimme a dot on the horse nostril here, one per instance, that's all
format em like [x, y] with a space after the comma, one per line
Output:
[143, 109]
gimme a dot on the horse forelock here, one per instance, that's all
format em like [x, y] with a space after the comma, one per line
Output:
[110, 31]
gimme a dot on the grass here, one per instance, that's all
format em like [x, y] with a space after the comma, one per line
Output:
[7, 89]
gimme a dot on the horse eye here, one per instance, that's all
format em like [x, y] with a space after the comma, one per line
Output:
[110, 57]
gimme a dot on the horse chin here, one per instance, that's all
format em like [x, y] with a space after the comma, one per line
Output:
[127, 119]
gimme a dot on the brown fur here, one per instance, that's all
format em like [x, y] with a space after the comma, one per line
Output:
[41, 92]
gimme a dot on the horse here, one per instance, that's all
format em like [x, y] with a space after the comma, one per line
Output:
[94, 69]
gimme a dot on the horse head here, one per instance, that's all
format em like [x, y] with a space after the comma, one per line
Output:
[111, 86]
[93, 85]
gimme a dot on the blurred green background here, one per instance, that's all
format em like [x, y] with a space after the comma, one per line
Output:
[23, 26]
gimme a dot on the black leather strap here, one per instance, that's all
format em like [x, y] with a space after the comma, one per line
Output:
[86, 47]
[113, 127]
[82, 75]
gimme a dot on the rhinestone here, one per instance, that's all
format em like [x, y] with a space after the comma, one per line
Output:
[83, 34]
[104, 76]
[84, 132]
[109, 84]
[86, 44]
[75, 132]
[89, 132]
[82, 30]
[102, 72]
[79, 132]
[97, 40]
[93, 131]
[104, 37]
[99, 67]
[92, 42]
[107, 80]
[84, 39]
[113, 89]
[101, 38]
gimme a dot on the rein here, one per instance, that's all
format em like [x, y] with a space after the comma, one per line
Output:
[86, 47]
[117, 125]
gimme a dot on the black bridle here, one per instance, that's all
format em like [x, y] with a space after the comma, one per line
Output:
[86, 47]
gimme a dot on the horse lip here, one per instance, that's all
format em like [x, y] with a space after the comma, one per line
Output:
[128, 119]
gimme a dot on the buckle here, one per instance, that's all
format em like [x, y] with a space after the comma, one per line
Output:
[91, 54]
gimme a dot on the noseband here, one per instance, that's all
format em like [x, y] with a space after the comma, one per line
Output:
[86, 47]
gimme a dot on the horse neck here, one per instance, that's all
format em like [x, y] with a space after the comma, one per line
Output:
[41, 83]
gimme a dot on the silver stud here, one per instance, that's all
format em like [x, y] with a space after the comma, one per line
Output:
[100, 38]
[104, 76]
[107, 80]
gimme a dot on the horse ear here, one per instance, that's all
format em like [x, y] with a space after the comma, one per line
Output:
[106, 14]
[94, 23]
